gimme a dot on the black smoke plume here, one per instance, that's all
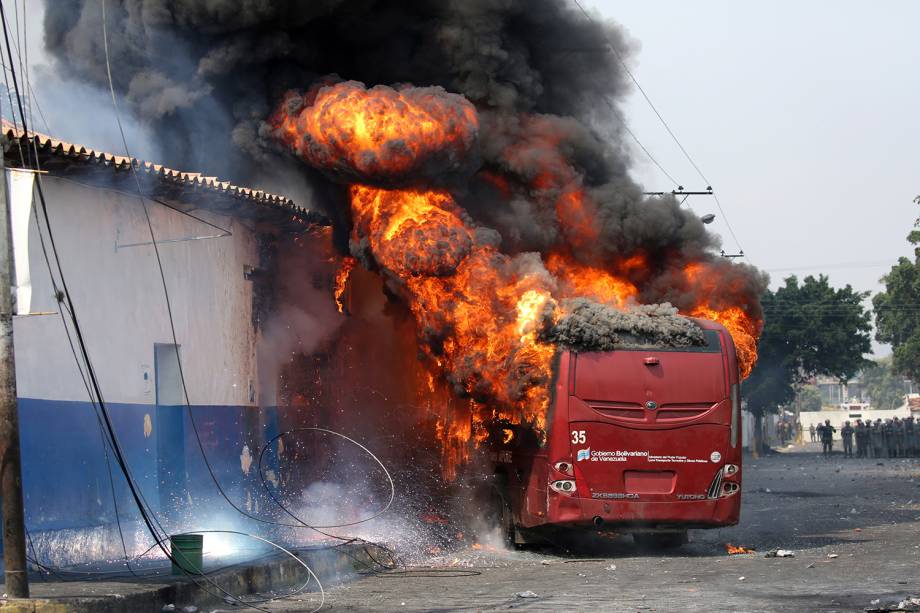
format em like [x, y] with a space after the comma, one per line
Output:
[546, 83]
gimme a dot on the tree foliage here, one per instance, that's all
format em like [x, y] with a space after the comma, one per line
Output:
[809, 398]
[885, 386]
[897, 309]
[810, 328]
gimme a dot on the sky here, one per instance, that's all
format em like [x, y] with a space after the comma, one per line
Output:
[805, 116]
[802, 115]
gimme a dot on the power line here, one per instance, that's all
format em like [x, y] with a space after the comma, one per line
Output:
[664, 123]
[149, 519]
[641, 146]
[867, 264]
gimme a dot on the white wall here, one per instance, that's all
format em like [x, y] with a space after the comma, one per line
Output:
[837, 418]
[120, 301]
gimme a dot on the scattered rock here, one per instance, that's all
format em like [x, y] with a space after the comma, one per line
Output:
[908, 604]
[779, 553]
[545, 562]
[612, 567]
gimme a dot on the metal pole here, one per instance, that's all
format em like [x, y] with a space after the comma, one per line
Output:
[14, 535]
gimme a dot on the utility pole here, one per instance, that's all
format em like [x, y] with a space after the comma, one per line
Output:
[14, 535]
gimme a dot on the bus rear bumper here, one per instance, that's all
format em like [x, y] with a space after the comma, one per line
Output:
[659, 515]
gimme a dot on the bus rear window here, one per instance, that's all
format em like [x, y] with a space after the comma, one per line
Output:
[712, 345]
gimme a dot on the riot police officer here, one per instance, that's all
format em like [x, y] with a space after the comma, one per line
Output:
[862, 438]
[846, 433]
[826, 430]
[877, 438]
[890, 444]
[910, 449]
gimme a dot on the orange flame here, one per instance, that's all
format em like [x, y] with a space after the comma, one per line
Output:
[479, 312]
[583, 280]
[341, 280]
[734, 550]
[714, 291]
[381, 132]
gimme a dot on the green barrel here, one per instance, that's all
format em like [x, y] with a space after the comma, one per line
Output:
[187, 551]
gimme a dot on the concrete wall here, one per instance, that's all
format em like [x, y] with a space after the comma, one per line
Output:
[121, 307]
[837, 418]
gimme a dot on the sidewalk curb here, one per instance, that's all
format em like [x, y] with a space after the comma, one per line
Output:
[333, 565]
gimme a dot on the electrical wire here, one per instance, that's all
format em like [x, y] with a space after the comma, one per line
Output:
[182, 378]
[147, 516]
[302, 523]
[664, 123]
[70, 342]
[90, 381]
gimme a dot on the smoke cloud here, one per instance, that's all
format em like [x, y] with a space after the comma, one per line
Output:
[527, 93]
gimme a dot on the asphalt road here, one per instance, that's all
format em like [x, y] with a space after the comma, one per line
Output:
[854, 526]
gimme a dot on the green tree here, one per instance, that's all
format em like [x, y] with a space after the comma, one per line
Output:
[884, 384]
[809, 398]
[897, 309]
[809, 329]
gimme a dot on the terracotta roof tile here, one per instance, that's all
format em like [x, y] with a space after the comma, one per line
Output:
[193, 181]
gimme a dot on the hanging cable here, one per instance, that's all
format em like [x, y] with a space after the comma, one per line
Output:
[664, 123]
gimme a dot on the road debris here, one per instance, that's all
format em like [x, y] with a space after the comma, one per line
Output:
[832, 556]
[612, 567]
[911, 603]
[779, 553]
[527, 594]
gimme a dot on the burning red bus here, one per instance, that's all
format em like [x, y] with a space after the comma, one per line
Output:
[641, 440]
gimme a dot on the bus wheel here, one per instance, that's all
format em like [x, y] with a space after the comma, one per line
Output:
[501, 516]
[659, 540]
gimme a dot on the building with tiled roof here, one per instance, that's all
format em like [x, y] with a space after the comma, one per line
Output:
[219, 245]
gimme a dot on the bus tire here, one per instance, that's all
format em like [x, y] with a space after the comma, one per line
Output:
[502, 516]
[660, 540]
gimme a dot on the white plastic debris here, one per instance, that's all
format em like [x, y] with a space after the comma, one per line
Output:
[582, 575]
[784, 553]
[527, 594]
[545, 562]
[832, 555]
[876, 601]
[612, 567]
[741, 578]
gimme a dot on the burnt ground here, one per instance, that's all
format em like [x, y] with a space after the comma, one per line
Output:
[854, 526]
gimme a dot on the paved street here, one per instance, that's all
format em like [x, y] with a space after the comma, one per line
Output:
[854, 526]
